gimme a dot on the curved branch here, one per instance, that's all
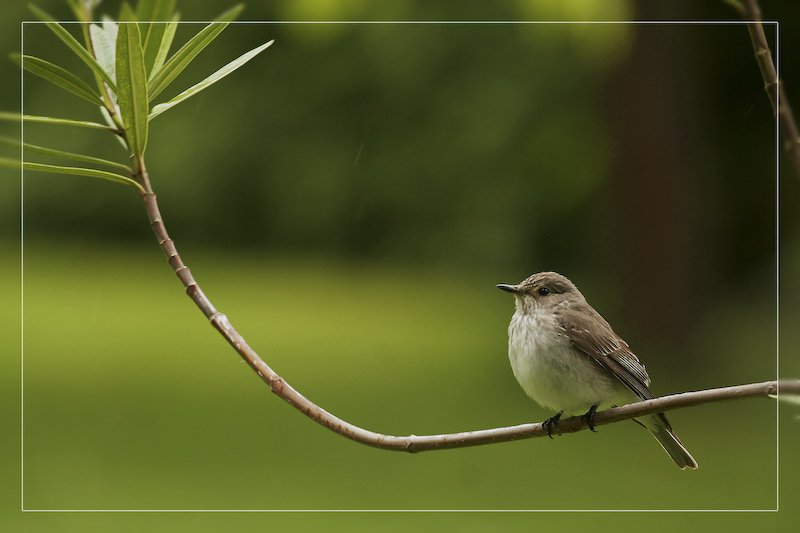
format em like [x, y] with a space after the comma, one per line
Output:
[415, 443]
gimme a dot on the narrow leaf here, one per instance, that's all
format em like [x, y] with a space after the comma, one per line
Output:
[154, 10]
[215, 77]
[41, 14]
[62, 78]
[119, 167]
[104, 41]
[230, 14]
[60, 121]
[12, 117]
[145, 9]
[79, 8]
[78, 171]
[82, 52]
[126, 13]
[153, 14]
[164, 46]
[132, 83]
[153, 33]
[65, 155]
[9, 163]
[189, 51]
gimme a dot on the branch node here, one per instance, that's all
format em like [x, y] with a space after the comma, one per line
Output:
[220, 321]
[276, 385]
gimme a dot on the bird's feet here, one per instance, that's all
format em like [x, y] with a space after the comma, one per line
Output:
[589, 418]
[548, 424]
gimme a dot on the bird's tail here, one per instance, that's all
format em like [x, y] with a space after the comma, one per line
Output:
[661, 430]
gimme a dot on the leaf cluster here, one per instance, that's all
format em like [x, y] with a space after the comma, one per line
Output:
[131, 63]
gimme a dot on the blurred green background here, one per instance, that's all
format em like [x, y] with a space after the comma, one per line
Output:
[349, 199]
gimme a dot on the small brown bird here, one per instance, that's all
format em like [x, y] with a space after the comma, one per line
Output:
[567, 358]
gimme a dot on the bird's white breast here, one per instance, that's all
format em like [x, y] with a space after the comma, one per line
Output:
[551, 370]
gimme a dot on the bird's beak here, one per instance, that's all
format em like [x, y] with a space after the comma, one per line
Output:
[508, 288]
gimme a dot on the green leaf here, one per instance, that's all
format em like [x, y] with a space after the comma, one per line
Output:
[104, 41]
[189, 51]
[12, 117]
[153, 14]
[132, 84]
[163, 48]
[76, 7]
[62, 78]
[154, 10]
[82, 52]
[126, 13]
[66, 155]
[793, 399]
[80, 13]
[215, 77]
[9, 163]
[152, 41]
[78, 171]
[52, 120]
[230, 14]
[41, 14]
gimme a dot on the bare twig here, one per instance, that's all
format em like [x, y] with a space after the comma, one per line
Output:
[415, 443]
[750, 10]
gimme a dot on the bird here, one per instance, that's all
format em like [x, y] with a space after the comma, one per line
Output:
[567, 358]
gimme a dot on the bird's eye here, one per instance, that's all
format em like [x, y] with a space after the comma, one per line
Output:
[544, 291]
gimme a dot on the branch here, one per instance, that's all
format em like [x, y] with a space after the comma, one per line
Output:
[750, 11]
[415, 443]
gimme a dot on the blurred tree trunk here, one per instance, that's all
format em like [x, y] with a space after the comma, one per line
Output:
[659, 256]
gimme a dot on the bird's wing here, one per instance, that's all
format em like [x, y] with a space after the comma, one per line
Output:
[594, 336]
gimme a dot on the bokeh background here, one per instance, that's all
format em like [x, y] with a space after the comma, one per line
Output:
[349, 199]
